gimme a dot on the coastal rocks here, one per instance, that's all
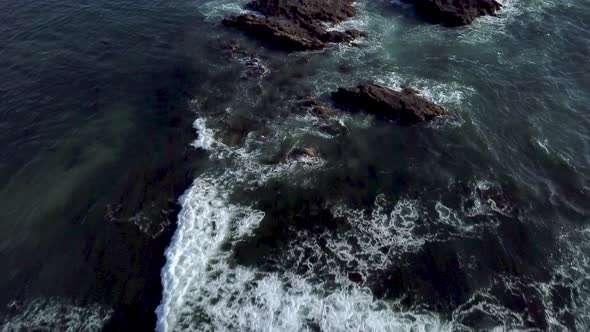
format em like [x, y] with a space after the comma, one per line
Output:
[405, 107]
[319, 109]
[279, 32]
[298, 153]
[333, 11]
[236, 130]
[254, 66]
[234, 136]
[454, 13]
[356, 277]
[297, 25]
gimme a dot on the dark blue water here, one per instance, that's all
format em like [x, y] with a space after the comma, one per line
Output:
[88, 94]
[476, 221]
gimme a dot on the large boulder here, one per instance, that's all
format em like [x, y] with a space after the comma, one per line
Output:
[281, 33]
[455, 13]
[405, 106]
[297, 25]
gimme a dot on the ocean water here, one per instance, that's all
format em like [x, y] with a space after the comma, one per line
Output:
[475, 221]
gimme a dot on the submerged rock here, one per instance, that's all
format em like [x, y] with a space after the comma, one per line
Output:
[235, 129]
[406, 106]
[319, 109]
[303, 153]
[297, 25]
[356, 277]
[455, 13]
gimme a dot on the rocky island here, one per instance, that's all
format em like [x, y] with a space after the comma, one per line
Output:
[297, 25]
[405, 107]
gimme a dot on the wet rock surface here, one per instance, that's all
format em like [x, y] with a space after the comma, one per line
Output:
[454, 13]
[405, 106]
[297, 153]
[255, 65]
[318, 108]
[297, 25]
[307, 10]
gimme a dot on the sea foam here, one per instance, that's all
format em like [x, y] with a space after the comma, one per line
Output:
[55, 314]
[203, 291]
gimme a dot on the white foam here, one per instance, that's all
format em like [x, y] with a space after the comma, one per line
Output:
[202, 292]
[488, 28]
[358, 22]
[245, 164]
[479, 204]
[205, 136]
[205, 222]
[216, 10]
[240, 299]
[446, 94]
[254, 67]
[543, 143]
[571, 268]
[483, 30]
[53, 314]
[380, 229]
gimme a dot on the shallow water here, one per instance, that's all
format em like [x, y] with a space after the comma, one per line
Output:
[475, 221]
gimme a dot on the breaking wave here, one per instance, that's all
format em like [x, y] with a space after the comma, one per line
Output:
[204, 290]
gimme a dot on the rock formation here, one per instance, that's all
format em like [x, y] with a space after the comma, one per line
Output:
[455, 13]
[406, 106]
[297, 25]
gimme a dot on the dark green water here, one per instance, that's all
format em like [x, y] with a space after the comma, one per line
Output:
[477, 221]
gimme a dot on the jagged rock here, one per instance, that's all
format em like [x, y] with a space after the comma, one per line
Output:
[319, 109]
[236, 129]
[333, 11]
[280, 32]
[233, 50]
[455, 13]
[304, 152]
[255, 67]
[356, 277]
[297, 25]
[406, 106]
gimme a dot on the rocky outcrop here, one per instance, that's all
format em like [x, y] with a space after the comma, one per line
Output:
[297, 153]
[455, 13]
[332, 11]
[318, 109]
[236, 129]
[281, 33]
[405, 106]
[297, 25]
